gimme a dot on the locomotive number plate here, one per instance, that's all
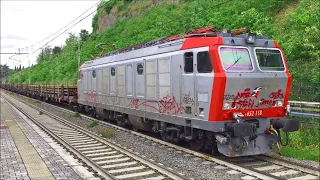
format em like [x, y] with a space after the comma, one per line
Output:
[253, 113]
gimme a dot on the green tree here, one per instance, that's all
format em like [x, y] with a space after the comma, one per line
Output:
[56, 50]
[84, 35]
[5, 71]
[71, 40]
[45, 54]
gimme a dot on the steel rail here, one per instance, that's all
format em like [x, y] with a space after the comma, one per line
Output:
[89, 133]
[288, 164]
[90, 163]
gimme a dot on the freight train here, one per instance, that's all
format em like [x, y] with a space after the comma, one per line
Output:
[224, 91]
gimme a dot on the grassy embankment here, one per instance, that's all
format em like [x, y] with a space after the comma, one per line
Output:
[304, 144]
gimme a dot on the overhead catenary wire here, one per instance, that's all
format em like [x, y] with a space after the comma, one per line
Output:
[219, 4]
[62, 27]
[61, 33]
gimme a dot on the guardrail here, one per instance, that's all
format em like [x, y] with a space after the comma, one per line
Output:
[305, 109]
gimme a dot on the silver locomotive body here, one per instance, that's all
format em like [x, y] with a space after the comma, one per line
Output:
[215, 92]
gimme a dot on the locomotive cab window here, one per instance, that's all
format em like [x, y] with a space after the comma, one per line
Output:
[140, 69]
[113, 71]
[94, 73]
[188, 62]
[269, 60]
[204, 62]
[235, 59]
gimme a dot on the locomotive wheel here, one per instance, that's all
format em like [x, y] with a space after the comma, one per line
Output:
[214, 149]
[135, 129]
[93, 114]
[163, 131]
[120, 122]
[196, 144]
[164, 136]
[170, 136]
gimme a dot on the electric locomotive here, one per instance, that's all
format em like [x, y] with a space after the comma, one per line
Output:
[224, 91]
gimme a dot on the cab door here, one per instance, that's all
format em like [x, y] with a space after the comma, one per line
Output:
[81, 87]
[188, 85]
[203, 83]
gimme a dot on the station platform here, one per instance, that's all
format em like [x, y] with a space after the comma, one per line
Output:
[26, 152]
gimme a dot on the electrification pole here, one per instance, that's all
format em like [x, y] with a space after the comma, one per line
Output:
[42, 53]
[78, 53]
[29, 70]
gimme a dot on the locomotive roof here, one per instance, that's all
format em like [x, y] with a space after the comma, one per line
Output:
[173, 45]
[138, 53]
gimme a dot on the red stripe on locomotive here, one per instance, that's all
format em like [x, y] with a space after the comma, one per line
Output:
[289, 83]
[219, 83]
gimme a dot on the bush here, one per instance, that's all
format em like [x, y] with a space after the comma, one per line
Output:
[107, 133]
[92, 124]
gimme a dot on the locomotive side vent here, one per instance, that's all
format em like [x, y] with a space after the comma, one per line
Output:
[253, 121]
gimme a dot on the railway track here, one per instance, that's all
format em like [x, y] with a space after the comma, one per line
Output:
[257, 167]
[275, 168]
[107, 159]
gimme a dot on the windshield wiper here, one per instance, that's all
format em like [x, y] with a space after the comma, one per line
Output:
[235, 62]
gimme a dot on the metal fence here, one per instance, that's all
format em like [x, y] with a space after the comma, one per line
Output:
[304, 109]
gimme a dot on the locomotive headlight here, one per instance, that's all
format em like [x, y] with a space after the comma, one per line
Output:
[251, 38]
[227, 106]
[279, 103]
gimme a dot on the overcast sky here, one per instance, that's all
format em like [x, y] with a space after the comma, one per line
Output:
[24, 23]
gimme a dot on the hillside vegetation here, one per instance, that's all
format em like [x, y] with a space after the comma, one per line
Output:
[294, 24]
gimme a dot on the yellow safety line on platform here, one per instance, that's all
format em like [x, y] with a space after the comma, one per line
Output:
[34, 164]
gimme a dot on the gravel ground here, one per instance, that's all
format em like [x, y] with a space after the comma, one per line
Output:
[190, 166]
